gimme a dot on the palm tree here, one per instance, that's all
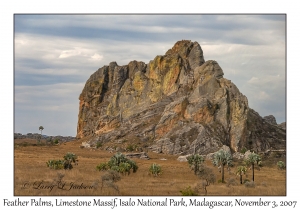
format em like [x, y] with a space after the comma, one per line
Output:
[41, 128]
[222, 158]
[240, 171]
[251, 160]
[195, 162]
[117, 163]
[69, 159]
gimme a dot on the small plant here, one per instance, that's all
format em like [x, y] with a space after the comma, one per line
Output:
[131, 147]
[70, 158]
[250, 184]
[244, 150]
[246, 180]
[102, 167]
[155, 169]
[188, 192]
[56, 141]
[55, 164]
[240, 171]
[281, 165]
[231, 181]
[98, 145]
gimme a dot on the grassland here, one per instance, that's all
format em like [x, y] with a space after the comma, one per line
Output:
[32, 176]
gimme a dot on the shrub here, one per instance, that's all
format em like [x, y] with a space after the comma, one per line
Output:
[188, 192]
[98, 145]
[119, 163]
[56, 141]
[70, 158]
[102, 167]
[109, 179]
[250, 184]
[244, 150]
[55, 164]
[281, 165]
[131, 147]
[231, 181]
[155, 169]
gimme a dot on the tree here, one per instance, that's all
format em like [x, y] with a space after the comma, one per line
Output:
[251, 160]
[41, 128]
[240, 171]
[70, 158]
[222, 158]
[208, 177]
[195, 162]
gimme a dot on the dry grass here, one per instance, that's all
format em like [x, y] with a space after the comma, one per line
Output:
[30, 167]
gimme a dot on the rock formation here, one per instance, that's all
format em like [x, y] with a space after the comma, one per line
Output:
[175, 104]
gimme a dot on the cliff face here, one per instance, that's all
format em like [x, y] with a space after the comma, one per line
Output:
[175, 104]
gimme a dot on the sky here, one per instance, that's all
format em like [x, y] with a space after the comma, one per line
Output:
[54, 55]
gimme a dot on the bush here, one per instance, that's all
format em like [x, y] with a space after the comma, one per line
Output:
[155, 169]
[102, 167]
[244, 150]
[55, 164]
[98, 145]
[119, 163]
[56, 141]
[281, 165]
[250, 184]
[109, 179]
[131, 147]
[231, 181]
[69, 158]
[188, 192]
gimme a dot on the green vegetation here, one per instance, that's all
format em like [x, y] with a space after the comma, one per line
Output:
[281, 165]
[240, 171]
[69, 158]
[119, 163]
[244, 150]
[195, 162]
[251, 160]
[155, 169]
[56, 141]
[188, 192]
[98, 145]
[222, 158]
[55, 164]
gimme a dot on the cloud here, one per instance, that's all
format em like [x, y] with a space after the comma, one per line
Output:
[54, 53]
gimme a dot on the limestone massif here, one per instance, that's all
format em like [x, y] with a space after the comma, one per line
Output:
[178, 103]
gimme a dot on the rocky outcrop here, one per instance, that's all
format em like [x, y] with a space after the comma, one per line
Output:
[178, 103]
[270, 119]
